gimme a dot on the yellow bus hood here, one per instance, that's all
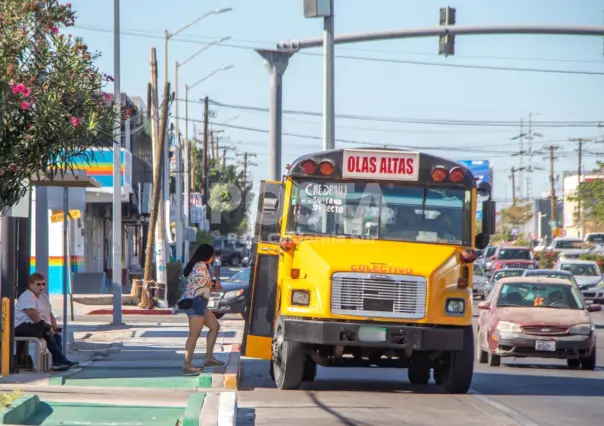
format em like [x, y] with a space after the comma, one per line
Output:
[320, 258]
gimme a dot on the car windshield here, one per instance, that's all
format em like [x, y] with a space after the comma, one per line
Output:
[478, 270]
[506, 274]
[581, 269]
[490, 251]
[568, 244]
[539, 295]
[596, 238]
[523, 254]
[385, 211]
[243, 276]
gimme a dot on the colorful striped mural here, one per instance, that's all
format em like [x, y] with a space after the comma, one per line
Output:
[55, 272]
[100, 167]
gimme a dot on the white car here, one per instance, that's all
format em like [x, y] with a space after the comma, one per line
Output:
[567, 247]
[587, 274]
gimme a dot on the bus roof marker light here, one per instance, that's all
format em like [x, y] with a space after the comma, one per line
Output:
[439, 174]
[309, 167]
[326, 167]
[456, 174]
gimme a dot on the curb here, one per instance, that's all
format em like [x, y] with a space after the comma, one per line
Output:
[158, 311]
[194, 408]
[20, 410]
[59, 379]
[219, 409]
[231, 376]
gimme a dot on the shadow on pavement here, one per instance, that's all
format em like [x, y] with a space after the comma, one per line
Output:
[395, 381]
[183, 334]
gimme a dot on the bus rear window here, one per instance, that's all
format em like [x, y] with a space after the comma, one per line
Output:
[381, 211]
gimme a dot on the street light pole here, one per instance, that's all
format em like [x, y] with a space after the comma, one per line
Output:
[116, 276]
[329, 112]
[184, 173]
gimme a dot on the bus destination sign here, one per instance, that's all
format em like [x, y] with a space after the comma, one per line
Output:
[382, 165]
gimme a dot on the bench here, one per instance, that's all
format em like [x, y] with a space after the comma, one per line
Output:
[42, 356]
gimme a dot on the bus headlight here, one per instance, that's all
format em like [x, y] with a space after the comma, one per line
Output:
[300, 297]
[456, 306]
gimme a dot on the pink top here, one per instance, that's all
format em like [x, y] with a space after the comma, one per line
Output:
[199, 281]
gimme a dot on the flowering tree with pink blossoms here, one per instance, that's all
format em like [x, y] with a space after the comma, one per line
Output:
[52, 104]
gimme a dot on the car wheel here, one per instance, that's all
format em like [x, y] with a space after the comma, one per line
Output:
[573, 363]
[235, 261]
[493, 360]
[589, 363]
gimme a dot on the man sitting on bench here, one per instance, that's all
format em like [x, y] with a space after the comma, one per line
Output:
[34, 318]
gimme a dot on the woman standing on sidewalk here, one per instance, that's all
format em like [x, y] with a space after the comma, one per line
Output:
[199, 284]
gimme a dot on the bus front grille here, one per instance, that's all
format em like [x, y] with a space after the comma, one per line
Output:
[378, 295]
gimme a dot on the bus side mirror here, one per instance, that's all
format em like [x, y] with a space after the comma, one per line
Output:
[481, 240]
[489, 217]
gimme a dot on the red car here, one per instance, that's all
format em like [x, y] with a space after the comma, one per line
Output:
[512, 257]
[536, 317]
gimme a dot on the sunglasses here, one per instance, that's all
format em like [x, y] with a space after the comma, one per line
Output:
[41, 284]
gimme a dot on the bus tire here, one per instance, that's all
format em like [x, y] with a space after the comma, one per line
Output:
[459, 368]
[288, 359]
[418, 371]
[310, 370]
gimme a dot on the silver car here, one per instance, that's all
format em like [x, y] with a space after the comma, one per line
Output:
[587, 274]
[479, 281]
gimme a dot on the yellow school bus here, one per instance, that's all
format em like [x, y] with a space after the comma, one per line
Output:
[363, 258]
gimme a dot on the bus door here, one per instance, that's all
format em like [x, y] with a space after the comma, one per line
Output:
[262, 299]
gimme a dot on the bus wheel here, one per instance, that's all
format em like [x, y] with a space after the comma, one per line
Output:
[419, 369]
[458, 370]
[310, 370]
[288, 360]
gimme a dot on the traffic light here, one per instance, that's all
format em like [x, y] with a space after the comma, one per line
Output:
[446, 43]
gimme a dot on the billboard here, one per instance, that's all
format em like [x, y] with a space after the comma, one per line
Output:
[481, 169]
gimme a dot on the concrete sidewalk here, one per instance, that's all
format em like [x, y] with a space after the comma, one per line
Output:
[134, 364]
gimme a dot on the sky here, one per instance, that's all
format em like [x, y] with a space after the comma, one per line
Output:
[391, 80]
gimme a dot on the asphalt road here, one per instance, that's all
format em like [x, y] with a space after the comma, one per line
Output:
[526, 392]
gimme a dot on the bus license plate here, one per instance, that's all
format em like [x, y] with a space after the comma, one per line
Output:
[211, 304]
[545, 345]
[372, 334]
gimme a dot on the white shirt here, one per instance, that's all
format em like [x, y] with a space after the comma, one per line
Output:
[28, 300]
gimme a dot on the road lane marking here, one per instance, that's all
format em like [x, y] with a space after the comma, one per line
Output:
[516, 415]
[227, 409]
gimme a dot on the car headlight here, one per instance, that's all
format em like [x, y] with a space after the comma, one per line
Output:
[600, 283]
[456, 306]
[583, 329]
[508, 327]
[234, 293]
[300, 297]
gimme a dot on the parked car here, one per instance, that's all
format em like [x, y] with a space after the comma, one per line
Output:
[512, 257]
[568, 247]
[232, 251]
[479, 281]
[586, 272]
[498, 275]
[595, 242]
[233, 297]
[536, 317]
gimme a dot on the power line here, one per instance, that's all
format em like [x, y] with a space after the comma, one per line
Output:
[358, 58]
[428, 121]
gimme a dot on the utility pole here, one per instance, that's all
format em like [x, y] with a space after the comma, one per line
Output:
[520, 136]
[513, 172]
[224, 152]
[204, 153]
[529, 178]
[580, 142]
[552, 158]
[246, 164]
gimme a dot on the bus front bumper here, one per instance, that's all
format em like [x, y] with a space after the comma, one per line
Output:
[365, 334]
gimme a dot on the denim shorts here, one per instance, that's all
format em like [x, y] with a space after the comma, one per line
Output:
[199, 307]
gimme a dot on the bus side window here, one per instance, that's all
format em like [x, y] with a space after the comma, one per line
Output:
[269, 212]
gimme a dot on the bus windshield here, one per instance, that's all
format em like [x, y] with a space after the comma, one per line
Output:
[385, 211]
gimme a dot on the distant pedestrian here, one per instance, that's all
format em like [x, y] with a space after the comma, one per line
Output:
[34, 318]
[199, 285]
[217, 264]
